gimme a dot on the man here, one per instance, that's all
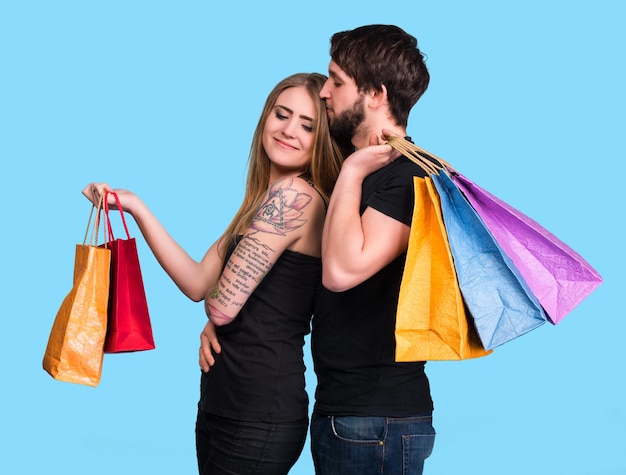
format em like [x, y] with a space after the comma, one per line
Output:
[371, 415]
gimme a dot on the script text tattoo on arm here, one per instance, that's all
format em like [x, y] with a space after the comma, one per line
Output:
[252, 259]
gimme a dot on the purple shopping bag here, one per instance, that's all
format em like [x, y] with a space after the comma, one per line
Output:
[558, 276]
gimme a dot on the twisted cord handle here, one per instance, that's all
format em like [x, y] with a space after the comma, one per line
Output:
[94, 232]
[111, 237]
[428, 162]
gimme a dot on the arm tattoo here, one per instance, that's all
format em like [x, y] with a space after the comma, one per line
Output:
[279, 214]
[215, 315]
[281, 211]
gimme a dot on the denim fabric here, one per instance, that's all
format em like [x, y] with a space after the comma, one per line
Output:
[230, 447]
[351, 445]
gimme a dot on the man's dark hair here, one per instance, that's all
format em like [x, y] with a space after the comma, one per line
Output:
[374, 55]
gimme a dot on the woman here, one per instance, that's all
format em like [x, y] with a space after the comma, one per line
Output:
[258, 281]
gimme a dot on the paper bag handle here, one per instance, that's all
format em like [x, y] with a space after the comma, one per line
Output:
[96, 225]
[106, 212]
[428, 162]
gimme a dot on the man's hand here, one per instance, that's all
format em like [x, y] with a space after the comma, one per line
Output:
[367, 160]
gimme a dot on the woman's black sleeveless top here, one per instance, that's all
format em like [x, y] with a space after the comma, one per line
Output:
[259, 376]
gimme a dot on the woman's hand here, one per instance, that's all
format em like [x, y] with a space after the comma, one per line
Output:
[208, 345]
[94, 191]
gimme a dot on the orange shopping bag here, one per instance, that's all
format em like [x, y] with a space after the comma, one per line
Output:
[75, 348]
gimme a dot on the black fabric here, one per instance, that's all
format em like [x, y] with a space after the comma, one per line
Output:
[390, 190]
[234, 447]
[353, 340]
[259, 376]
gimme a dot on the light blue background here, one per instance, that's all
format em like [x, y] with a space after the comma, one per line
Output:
[526, 98]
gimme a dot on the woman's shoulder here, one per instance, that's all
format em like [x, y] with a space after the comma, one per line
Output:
[298, 210]
[297, 191]
[299, 182]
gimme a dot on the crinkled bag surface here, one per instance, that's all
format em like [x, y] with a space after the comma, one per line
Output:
[431, 321]
[498, 298]
[557, 275]
[75, 347]
[129, 327]
[513, 274]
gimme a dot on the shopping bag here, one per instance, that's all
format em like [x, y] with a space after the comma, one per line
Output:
[558, 276]
[501, 303]
[129, 327]
[565, 278]
[75, 347]
[431, 320]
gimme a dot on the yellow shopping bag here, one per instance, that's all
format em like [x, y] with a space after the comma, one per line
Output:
[431, 321]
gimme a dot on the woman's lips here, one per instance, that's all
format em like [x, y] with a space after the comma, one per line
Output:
[285, 144]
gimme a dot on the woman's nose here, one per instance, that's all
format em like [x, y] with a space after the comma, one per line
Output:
[290, 129]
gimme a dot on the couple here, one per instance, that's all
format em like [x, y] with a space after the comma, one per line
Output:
[263, 279]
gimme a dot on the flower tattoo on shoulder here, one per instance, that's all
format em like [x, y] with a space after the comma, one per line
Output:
[281, 211]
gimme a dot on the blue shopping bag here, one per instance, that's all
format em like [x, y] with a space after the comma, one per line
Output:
[499, 300]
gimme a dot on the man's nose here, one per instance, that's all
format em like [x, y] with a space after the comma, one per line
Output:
[324, 92]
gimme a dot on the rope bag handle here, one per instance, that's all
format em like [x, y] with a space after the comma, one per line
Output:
[106, 213]
[96, 225]
[428, 162]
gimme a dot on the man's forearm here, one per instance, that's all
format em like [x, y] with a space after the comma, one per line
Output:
[343, 236]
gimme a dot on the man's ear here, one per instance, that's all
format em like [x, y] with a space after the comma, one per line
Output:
[377, 98]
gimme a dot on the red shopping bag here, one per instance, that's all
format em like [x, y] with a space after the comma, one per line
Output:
[129, 327]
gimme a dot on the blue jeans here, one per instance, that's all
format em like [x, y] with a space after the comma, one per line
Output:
[227, 446]
[351, 445]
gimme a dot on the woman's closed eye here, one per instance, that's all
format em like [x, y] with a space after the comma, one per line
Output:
[282, 113]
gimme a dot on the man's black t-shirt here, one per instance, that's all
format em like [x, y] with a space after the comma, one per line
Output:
[352, 338]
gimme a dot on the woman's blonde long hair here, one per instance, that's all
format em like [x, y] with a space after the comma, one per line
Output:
[322, 171]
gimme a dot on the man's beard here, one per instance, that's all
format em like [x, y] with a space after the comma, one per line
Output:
[344, 126]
